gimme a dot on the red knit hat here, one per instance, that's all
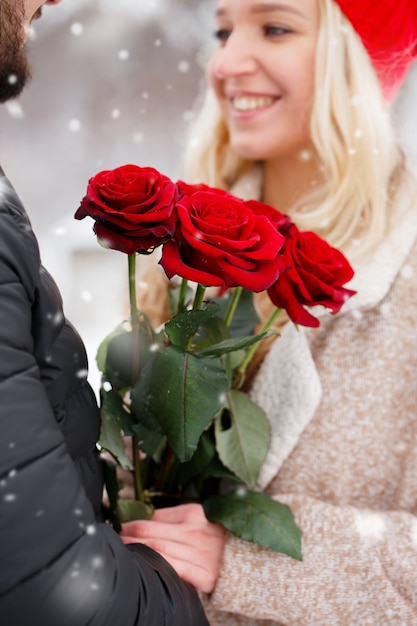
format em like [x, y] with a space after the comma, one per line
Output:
[388, 29]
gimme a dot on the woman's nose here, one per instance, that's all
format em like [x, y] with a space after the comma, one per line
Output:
[234, 58]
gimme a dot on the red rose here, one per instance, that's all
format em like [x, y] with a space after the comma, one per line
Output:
[133, 208]
[281, 222]
[186, 189]
[316, 275]
[221, 241]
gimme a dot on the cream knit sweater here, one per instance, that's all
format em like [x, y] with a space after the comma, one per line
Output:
[342, 402]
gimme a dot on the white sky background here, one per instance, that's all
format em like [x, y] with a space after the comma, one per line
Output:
[114, 81]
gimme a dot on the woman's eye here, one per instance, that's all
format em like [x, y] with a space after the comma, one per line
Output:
[221, 34]
[276, 31]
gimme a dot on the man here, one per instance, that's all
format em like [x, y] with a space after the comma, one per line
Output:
[60, 565]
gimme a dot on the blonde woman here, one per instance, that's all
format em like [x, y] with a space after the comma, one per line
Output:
[297, 115]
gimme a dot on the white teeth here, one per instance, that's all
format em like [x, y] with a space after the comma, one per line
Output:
[246, 103]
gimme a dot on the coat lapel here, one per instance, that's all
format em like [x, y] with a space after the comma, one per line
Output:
[287, 387]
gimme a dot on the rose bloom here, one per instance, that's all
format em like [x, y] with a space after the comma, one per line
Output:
[220, 241]
[187, 189]
[281, 222]
[133, 208]
[316, 275]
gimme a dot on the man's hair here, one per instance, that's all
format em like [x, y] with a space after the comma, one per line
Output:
[350, 129]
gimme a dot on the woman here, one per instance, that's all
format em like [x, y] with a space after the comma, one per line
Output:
[300, 120]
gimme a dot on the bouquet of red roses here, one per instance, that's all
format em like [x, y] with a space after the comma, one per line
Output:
[177, 391]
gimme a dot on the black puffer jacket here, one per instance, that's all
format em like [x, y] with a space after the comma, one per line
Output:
[59, 566]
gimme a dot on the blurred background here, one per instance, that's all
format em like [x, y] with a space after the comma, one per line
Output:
[114, 82]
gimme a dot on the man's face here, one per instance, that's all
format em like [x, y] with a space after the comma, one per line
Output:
[15, 19]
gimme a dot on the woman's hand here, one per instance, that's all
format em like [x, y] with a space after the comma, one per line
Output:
[186, 539]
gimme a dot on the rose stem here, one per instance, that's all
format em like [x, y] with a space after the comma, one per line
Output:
[166, 467]
[251, 351]
[234, 301]
[139, 495]
[198, 301]
[134, 320]
[181, 298]
[199, 296]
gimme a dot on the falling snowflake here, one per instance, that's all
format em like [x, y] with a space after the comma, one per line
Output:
[86, 296]
[76, 29]
[74, 125]
[369, 524]
[305, 155]
[14, 109]
[10, 497]
[183, 67]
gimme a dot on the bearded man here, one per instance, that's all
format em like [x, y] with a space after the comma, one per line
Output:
[60, 564]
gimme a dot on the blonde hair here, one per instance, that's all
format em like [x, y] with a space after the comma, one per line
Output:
[350, 130]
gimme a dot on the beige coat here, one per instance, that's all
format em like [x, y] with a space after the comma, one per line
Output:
[342, 401]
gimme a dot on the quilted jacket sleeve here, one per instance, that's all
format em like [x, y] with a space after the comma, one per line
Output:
[57, 565]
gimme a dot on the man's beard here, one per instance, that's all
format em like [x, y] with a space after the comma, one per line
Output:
[14, 65]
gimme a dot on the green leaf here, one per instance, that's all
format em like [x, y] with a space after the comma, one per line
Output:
[256, 517]
[232, 360]
[129, 510]
[102, 349]
[216, 469]
[212, 331]
[199, 462]
[232, 345]
[148, 440]
[112, 402]
[111, 439]
[139, 398]
[185, 394]
[112, 488]
[184, 325]
[242, 437]
[127, 354]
